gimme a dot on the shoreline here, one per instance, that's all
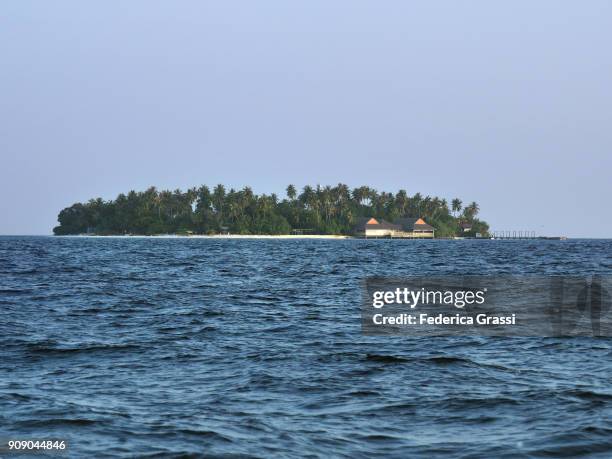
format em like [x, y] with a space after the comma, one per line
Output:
[296, 236]
[215, 236]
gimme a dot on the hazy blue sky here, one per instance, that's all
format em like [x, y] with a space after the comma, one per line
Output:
[506, 103]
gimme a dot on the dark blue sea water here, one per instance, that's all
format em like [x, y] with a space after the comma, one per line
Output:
[199, 347]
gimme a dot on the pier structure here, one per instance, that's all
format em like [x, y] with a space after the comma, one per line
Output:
[523, 234]
[514, 234]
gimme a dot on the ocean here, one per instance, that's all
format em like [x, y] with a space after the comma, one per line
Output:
[157, 347]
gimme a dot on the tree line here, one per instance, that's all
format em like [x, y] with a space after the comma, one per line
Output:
[315, 210]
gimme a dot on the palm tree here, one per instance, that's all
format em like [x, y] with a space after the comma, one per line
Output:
[456, 205]
[363, 195]
[475, 208]
[326, 197]
[401, 202]
[291, 192]
[166, 201]
[426, 206]
[416, 204]
[307, 197]
[342, 192]
[471, 210]
[218, 202]
[218, 197]
[248, 193]
[203, 199]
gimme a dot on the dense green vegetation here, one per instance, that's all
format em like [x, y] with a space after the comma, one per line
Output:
[320, 210]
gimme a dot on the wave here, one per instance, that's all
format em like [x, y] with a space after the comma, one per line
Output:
[45, 349]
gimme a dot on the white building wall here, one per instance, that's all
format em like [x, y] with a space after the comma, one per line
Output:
[377, 232]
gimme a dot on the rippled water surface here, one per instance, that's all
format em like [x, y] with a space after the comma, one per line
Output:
[194, 347]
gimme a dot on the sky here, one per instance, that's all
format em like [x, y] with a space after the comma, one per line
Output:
[508, 104]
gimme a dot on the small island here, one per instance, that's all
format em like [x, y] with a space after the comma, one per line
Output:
[320, 210]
